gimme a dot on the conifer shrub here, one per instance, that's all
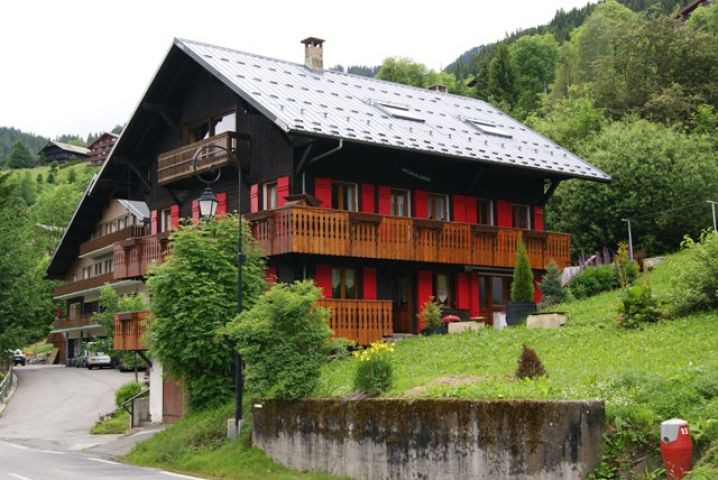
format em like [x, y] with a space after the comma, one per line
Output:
[374, 372]
[695, 285]
[530, 365]
[551, 285]
[522, 287]
[638, 306]
[430, 314]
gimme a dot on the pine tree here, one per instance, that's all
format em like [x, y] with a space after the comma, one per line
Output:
[19, 156]
[502, 77]
[530, 365]
[551, 285]
[522, 287]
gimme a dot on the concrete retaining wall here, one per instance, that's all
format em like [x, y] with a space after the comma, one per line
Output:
[433, 439]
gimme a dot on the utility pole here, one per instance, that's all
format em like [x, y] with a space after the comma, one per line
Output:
[630, 237]
[713, 207]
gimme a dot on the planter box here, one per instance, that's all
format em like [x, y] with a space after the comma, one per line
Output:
[460, 327]
[546, 320]
[516, 312]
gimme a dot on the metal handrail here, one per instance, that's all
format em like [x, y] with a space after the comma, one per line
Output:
[130, 401]
[6, 384]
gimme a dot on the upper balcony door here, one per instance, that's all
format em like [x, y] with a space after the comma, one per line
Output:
[344, 196]
[400, 203]
[211, 126]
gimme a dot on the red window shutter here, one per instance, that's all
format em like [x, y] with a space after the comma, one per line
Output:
[367, 198]
[384, 194]
[537, 289]
[195, 212]
[462, 291]
[323, 191]
[471, 210]
[474, 310]
[504, 213]
[538, 218]
[154, 225]
[282, 190]
[459, 202]
[369, 283]
[323, 279]
[174, 216]
[421, 208]
[270, 274]
[221, 203]
[424, 291]
[254, 198]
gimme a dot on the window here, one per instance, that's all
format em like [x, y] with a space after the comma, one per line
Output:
[166, 220]
[98, 268]
[224, 123]
[270, 196]
[108, 265]
[86, 272]
[344, 196]
[442, 288]
[209, 127]
[438, 207]
[75, 310]
[398, 110]
[485, 212]
[521, 217]
[400, 203]
[489, 127]
[345, 283]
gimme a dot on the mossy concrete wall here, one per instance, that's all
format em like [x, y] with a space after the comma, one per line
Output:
[433, 439]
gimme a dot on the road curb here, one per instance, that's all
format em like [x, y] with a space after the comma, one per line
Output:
[13, 387]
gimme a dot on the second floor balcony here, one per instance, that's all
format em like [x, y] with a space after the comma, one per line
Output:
[132, 257]
[318, 231]
[105, 241]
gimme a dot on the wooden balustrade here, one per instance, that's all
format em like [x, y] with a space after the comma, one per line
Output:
[65, 323]
[80, 285]
[132, 257]
[129, 329]
[364, 321]
[311, 230]
[109, 239]
[177, 164]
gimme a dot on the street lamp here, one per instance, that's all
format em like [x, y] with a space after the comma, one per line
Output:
[208, 208]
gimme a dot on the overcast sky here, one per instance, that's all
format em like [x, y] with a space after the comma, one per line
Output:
[80, 66]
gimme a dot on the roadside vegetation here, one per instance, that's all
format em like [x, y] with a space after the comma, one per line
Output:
[118, 422]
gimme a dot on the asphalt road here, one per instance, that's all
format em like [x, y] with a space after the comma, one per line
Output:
[45, 427]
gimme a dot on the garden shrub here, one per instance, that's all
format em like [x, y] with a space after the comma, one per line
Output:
[194, 296]
[340, 348]
[695, 285]
[522, 286]
[373, 374]
[594, 280]
[127, 391]
[551, 285]
[284, 341]
[430, 314]
[626, 269]
[638, 306]
[530, 365]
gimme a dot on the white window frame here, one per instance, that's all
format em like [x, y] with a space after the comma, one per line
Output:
[492, 219]
[166, 220]
[408, 200]
[265, 195]
[447, 209]
[490, 128]
[529, 220]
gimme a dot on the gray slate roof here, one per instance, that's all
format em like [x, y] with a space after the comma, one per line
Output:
[345, 106]
[68, 147]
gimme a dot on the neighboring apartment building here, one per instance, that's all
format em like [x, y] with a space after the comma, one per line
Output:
[84, 260]
[62, 153]
[101, 148]
[384, 194]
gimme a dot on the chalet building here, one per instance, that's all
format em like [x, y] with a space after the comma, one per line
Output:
[384, 194]
[84, 260]
[63, 153]
[101, 148]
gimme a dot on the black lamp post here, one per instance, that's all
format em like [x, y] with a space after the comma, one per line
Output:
[208, 209]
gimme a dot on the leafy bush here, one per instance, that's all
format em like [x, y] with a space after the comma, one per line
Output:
[430, 314]
[373, 374]
[626, 269]
[529, 364]
[194, 295]
[593, 280]
[551, 286]
[695, 285]
[127, 391]
[638, 306]
[522, 287]
[283, 339]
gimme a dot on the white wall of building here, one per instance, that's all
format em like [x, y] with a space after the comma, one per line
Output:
[156, 375]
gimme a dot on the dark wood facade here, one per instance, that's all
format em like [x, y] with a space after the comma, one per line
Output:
[101, 148]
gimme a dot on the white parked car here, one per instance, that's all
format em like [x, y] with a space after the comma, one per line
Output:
[97, 359]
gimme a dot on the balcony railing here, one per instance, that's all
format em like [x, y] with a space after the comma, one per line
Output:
[64, 323]
[109, 239]
[177, 164]
[129, 329]
[80, 285]
[132, 257]
[318, 231]
[364, 321]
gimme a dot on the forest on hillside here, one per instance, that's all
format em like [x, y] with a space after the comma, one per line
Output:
[625, 85]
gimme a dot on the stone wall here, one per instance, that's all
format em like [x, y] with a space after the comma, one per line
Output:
[433, 439]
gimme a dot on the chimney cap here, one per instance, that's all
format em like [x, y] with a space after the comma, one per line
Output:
[314, 41]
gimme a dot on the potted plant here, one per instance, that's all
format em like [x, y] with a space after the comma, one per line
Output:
[431, 317]
[522, 289]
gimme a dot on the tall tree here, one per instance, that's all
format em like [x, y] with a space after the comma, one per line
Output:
[534, 57]
[19, 156]
[501, 86]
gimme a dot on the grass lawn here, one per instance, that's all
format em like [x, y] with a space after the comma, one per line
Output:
[118, 423]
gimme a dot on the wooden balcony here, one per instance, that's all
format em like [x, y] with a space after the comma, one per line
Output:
[177, 164]
[65, 323]
[107, 240]
[310, 230]
[132, 257]
[80, 285]
[364, 321]
[129, 329]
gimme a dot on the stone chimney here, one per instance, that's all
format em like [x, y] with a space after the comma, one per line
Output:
[313, 53]
[437, 87]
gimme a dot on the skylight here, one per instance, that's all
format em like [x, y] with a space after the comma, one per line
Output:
[488, 127]
[398, 110]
